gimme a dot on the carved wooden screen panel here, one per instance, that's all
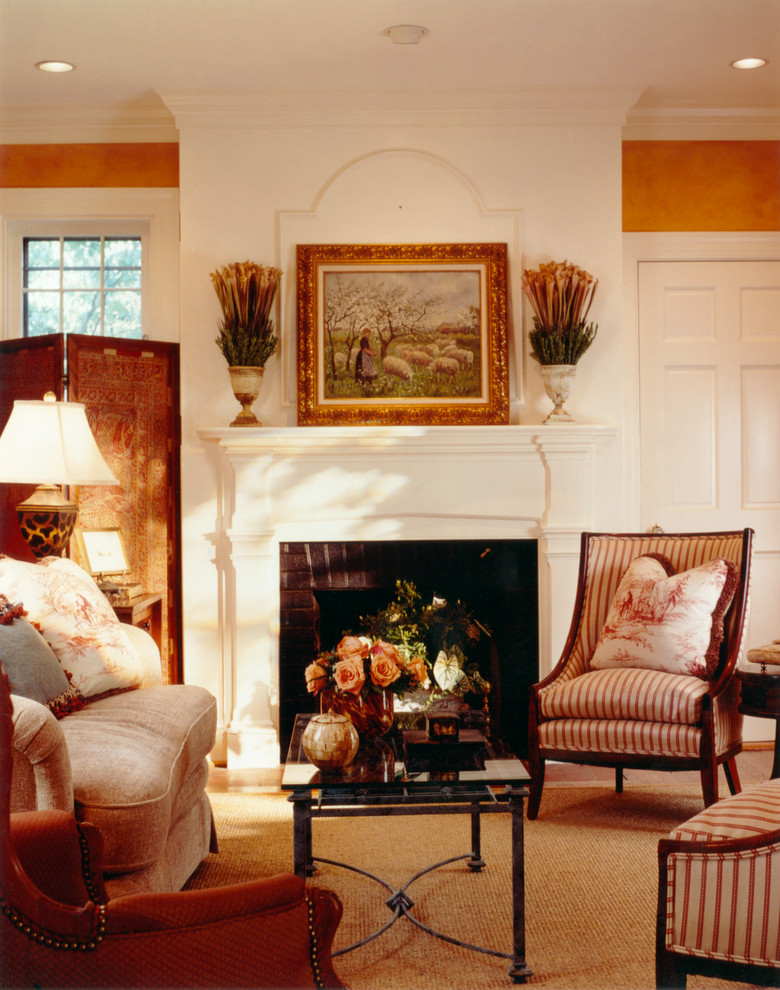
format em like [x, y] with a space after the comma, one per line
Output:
[131, 391]
[28, 369]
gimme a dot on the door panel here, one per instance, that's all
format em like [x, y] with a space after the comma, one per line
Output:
[709, 352]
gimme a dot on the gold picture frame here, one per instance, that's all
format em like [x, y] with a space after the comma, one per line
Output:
[432, 319]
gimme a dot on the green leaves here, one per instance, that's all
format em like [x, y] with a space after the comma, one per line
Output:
[561, 346]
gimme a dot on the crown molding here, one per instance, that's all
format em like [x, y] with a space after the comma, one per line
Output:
[87, 123]
[690, 123]
[401, 108]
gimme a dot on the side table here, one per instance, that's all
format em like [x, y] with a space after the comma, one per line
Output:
[144, 611]
[761, 697]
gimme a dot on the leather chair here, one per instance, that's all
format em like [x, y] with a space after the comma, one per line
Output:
[58, 928]
[641, 718]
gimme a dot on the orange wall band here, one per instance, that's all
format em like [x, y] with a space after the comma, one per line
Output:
[56, 166]
[667, 185]
[701, 185]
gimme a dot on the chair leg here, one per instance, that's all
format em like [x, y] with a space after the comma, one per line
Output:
[536, 764]
[732, 776]
[618, 780]
[668, 976]
[709, 783]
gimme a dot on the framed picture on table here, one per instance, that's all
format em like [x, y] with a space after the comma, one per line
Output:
[103, 551]
[402, 334]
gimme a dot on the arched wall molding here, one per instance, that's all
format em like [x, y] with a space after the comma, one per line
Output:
[398, 196]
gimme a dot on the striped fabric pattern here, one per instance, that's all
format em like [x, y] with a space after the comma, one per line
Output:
[740, 816]
[626, 693]
[727, 905]
[621, 737]
[608, 559]
[727, 718]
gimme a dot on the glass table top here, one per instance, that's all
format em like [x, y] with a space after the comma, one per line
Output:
[394, 761]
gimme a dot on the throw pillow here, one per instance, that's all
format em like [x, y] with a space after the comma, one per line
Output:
[659, 620]
[33, 670]
[76, 620]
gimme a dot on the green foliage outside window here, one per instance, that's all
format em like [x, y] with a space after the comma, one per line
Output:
[86, 285]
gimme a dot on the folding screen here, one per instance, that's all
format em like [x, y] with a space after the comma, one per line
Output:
[131, 392]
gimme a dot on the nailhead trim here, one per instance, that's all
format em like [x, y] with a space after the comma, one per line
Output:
[50, 940]
[314, 944]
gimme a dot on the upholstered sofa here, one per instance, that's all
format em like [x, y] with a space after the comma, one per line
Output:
[719, 892]
[96, 732]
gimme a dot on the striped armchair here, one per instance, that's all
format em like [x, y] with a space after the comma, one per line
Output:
[642, 718]
[718, 892]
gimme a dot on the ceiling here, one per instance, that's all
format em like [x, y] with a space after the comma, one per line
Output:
[674, 54]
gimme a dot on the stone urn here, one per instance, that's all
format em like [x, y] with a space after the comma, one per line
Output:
[245, 380]
[558, 379]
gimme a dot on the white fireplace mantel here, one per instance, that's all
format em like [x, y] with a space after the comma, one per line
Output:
[381, 483]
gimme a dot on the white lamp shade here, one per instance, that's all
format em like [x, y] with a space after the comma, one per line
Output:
[50, 442]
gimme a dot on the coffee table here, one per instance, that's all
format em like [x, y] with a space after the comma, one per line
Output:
[380, 783]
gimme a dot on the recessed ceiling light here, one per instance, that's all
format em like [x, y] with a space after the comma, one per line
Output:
[406, 34]
[748, 63]
[54, 65]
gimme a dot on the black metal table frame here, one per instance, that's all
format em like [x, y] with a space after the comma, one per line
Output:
[474, 800]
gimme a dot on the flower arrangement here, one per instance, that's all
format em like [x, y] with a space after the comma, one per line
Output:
[246, 294]
[394, 655]
[561, 295]
[360, 665]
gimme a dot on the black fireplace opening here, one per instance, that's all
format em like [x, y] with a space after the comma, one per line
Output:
[325, 589]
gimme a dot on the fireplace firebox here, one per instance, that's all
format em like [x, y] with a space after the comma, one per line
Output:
[326, 587]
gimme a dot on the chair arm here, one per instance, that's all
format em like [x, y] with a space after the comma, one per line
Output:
[61, 856]
[42, 772]
[285, 931]
[741, 924]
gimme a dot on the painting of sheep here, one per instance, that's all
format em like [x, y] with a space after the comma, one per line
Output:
[428, 321]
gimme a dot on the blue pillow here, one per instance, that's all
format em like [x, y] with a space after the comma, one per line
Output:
[33, 669]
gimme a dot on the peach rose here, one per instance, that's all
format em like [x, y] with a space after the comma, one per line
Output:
[316, 678]
[385, 663]
[349, 675]
[353, 648]
[418, 671]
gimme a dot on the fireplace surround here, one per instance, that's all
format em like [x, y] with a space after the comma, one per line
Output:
[380, 484]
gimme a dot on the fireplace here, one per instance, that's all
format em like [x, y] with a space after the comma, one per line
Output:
[325, 588]
[389, 490]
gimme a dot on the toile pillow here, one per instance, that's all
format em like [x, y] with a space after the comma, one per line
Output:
[659, 620]
[33, 670]
[76, 620]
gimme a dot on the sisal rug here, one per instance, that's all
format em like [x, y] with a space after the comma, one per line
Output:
[591, 887]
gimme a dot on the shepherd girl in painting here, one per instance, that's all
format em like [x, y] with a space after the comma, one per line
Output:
[365, 369]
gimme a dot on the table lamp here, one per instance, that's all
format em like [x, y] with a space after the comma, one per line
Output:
[50, 440]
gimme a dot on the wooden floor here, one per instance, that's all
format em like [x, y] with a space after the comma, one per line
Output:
[753, 764]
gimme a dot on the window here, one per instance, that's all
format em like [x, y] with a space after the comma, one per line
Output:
[33, 218]
[82, 284]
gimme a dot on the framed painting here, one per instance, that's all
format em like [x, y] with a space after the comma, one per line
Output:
[402, 334]
[104, 551]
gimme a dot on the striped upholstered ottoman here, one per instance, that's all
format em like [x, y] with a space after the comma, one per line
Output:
[719, 892]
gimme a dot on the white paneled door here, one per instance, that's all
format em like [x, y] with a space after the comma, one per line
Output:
[709, 374]
[709, 350]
